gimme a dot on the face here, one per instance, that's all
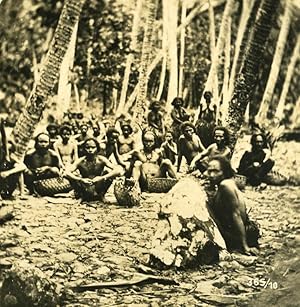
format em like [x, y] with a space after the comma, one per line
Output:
[259, 142]
[215, 172]
[66, 134]
[219, 136]
[126, 130]
[52, 131]
[84, 129]
[96, 131]
[148, 141]
[113, 137]
[188, 132]
[169, 137]
[90, 147]
[43, 142]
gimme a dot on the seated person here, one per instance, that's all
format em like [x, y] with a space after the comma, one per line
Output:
[155, 120]
[110, 148]
[94, 179]
[218, 148]
[189, 144]
[257, 163]
[81, 137]
[9, 169]
[66, 148]
[126, 142]
[149, 163]
[41, 162]
[228, 209]
[169, 148]
[52, 129]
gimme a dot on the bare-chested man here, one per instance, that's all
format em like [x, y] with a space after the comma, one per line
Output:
[148, 162]
[94, 179]
[228, 207]
[126, 142]
[66, 148]
[189, 144]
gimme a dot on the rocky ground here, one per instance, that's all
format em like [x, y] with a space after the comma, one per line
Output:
[74, 244]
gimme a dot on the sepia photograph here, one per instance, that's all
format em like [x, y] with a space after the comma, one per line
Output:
[149, 153]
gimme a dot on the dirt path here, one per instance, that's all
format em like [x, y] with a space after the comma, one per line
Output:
[76, 243]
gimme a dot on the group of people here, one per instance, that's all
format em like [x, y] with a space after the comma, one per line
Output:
[91, 158]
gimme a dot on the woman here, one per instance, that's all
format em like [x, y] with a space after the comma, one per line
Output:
[178, 115]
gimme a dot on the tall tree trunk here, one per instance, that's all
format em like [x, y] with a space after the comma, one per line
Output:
[198, 10]
[130, 57]
[288, 78]
[182, 49]
[172, 51]
[64, 84]
[225, 88]
[35, 105]
[164, 47]
[141, 105]
[246, 12]
[275, 67]
[295, 118]
[211, 79]
[247, 78]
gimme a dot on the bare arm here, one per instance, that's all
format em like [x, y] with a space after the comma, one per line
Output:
[115, 170]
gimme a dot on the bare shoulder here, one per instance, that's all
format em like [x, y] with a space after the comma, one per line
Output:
[228, 185]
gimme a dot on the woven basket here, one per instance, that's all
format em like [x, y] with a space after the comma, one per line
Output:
[127, 192]
[160, 185]
[240, 181]
[52, 186]
[275, 178]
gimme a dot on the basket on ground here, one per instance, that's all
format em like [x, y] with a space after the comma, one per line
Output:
[52, 186]
[160, 185]
[127, 192]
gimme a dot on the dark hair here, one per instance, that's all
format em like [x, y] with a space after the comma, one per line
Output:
[52, 126]
[94, 140]
[225, 164]
[226, 133]
[207, 95]
[187, 124]
[153, 103]
[37, 137]
[177, 100]
[253, 139]
[149, 131]
[126, 124]
[110, 131]
[64, 128]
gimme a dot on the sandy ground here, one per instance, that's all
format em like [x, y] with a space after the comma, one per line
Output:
[75, 243]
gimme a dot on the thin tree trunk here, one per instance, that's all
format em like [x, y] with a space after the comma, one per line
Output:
[182, 49]
[198, 10]
[288, 78]
[247, 78]
[275, 67]
[164, 46]
[246, 12]
[172, 51]
[64, 84]
[28, 120]
[130, 57]
[214, 65]
[295, 118]
[141, 105]
[225, 89]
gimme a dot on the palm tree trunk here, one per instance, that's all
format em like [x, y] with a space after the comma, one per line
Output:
[246, 12]
[288, 78]
[130, 57]
[225, 88]
[247, 78]
[211, 79]
[295, 118]
[64, 84]
[164, 46]
[198, 10]
[182, 47]
[141, 105]
[28, 120]
[275, 67]
[172, 51]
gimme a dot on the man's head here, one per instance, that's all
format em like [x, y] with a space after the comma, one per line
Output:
[258, 141]
[149, 140]
[42, 142]
[219, 168]
[65, 132]
[96, 131]
[91, 147]
[155, 105]
[52, 130]
[84, 129]
[126, 129]
[168, 136]
[221, 135]
[112, 135]
[188, 129]
[207, 96]
[177, 102]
